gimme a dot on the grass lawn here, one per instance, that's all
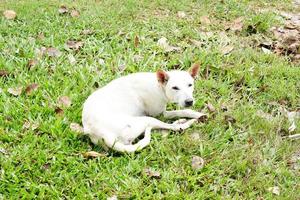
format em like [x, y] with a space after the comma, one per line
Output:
[241, 143]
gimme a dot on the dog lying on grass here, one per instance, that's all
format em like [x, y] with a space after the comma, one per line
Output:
[125, 108]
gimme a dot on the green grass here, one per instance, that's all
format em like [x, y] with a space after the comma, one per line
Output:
[243, 159]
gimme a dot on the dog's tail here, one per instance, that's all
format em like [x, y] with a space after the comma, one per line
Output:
[118, 146]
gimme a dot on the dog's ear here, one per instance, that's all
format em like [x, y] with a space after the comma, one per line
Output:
[194, 70]
[162, 76]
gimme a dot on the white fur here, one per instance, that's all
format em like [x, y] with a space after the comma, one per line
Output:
[120, 111]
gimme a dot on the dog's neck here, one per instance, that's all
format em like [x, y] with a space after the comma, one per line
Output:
[163, 92]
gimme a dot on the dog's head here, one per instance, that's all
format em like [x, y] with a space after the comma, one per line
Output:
[179, 85]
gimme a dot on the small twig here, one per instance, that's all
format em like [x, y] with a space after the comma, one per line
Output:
[293, 137]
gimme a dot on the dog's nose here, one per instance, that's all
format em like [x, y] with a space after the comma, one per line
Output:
[188, 102]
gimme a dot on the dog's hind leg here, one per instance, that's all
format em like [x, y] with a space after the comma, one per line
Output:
[120, 146]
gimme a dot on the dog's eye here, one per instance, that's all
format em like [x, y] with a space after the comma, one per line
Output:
[190, 85]
[175, 88]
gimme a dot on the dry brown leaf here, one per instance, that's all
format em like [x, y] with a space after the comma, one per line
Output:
[64, 101]
[53, 52]
[136, 41]
[9, 14]
[71, 59]
[162, 42]
[59, 111]
[275, 190]
[75, 45]
[29, 125]
[294, 161]
[151, 173]
[93, 154]
[76, 127]
[236, 25]
[205, 20]
[137, 58]
[74, 13]
[31, 63]
[229, 119]
[195, 136]
[197, 43]
[227, 49]
[3, 73]
[30, 88]
[122, 67]
[181, 14]
[15, 91]
[197, 162]
[63, 10]
[210, 108]
[87, 32]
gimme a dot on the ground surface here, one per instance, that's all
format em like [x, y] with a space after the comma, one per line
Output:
[241, 143]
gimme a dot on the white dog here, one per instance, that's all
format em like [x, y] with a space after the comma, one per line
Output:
[120, 112]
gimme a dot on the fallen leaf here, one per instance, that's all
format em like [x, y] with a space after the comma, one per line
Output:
[59, 111]
[46, 166]
[3, 73]
[87, 32]
[30, 88]
[224, 107]
[227, 49]
[75, 13]
[137, 58]
[223, 38]
[195, 136]
[76, 127]
[181, 14]
[31, 63]
[275, 190]
[197, 43]
[10, 14]
[206, 34]
[71, 59]
[240, 82]
[294, 161]
[229, 119]
[162, 42]
[75, 45]
[204, 20]
[93, 154]
[64, 101]
[29, 125]
[53, 52]
[122, 67]
[197, 162]
[114, 197]
[236, 25]
[291, 116]
[151, 173]
[63, 9]
[136, 41]
[15, 91]
[210, 108]
[264, 115]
